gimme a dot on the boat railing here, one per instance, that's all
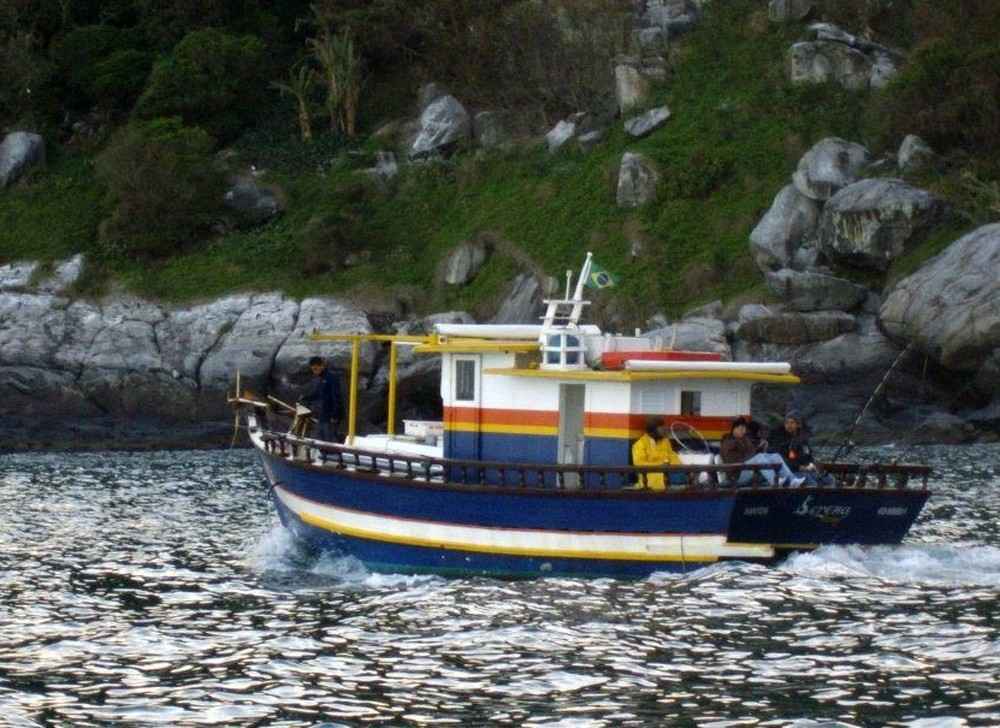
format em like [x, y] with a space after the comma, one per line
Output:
[578, 477]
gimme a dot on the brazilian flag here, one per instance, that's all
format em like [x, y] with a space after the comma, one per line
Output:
[600, 278]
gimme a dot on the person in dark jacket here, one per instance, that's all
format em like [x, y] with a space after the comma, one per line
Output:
[324, 399]
[792, 443]
[737, 447]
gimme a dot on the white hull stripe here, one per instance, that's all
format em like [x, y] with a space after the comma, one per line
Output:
[518, 542]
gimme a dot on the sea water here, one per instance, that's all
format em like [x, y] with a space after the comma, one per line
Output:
[158, 589]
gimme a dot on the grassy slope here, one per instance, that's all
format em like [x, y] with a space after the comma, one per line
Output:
[736, 133]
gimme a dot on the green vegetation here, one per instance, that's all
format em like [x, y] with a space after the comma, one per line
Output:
[736, 132]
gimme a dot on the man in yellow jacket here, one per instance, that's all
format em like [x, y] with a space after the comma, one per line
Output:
[653, 448]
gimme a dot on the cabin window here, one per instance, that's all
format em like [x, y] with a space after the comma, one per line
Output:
[691, 403]
[465, 380]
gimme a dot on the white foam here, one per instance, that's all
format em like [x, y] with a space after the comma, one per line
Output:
[950, 564]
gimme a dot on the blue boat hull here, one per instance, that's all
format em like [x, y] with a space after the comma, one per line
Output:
[409, 526]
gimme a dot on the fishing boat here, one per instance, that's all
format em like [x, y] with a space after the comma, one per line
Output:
[528, 472]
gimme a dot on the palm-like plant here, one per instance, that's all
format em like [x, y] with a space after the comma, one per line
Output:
[300, 83]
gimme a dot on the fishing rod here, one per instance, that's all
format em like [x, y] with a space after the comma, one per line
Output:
[848, 444]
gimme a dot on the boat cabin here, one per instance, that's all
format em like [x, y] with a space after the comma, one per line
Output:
[564, 393]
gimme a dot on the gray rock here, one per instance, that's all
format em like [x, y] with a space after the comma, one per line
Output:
[673, 16]
[591, 139]
[829, 166]
[650, 38]
[443, 124]
[464, 262]
[63, 277]
[860, 356]
[19, 151]
[696, 334]
[640, 126]
[522, 304]
[637, 181]
[797, 328]
[560, 134]
[815, 291]
[251, 345]
[712, 310]
[386, 166]
[631, 88]
[134, 393]
[17, 276]
[914, 154]
[820, 62]
[37, 392]
[189, 334]
[950, 307]
[791, 220]
[942, 427]
[489, 128]
[126, 338]
[806, 258]
[753, 311]
[32, 327]
[323, 315]
[253, 203]
[885, 66]
[789, 11]
[872, 222]
[835, 55]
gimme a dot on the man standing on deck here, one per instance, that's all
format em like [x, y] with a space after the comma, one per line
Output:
[324, 399]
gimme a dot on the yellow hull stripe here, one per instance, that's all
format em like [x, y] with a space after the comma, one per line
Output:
[677, 552]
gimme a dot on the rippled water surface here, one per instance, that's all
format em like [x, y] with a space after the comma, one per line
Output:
[158, 589]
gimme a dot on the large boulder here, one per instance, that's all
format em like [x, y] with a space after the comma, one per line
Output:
[815, 291]
[950, 308]
[830, 165]
[190, 333]
[631, 87]
[790, 221]
[833, 54]
[19, 151]
[855, 356]
[31, 329]
[522, 302]
[797, 328]
[250, 344]
[444, 124]
[640, 126]
[429, 93]
[872, 222]
[323, 315]
[464, 262]
[695, 334]
[637, 180]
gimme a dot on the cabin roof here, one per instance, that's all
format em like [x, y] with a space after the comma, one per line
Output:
[646, 376]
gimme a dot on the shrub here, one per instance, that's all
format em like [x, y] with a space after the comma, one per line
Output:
[211, 80]
[163, 186]
[100, 66]
[25, 78]
[950, 96]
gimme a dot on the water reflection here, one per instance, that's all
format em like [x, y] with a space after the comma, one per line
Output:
[156, 589]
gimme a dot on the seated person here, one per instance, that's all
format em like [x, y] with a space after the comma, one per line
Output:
[737, 447]
[792, 443]
[654, 448]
